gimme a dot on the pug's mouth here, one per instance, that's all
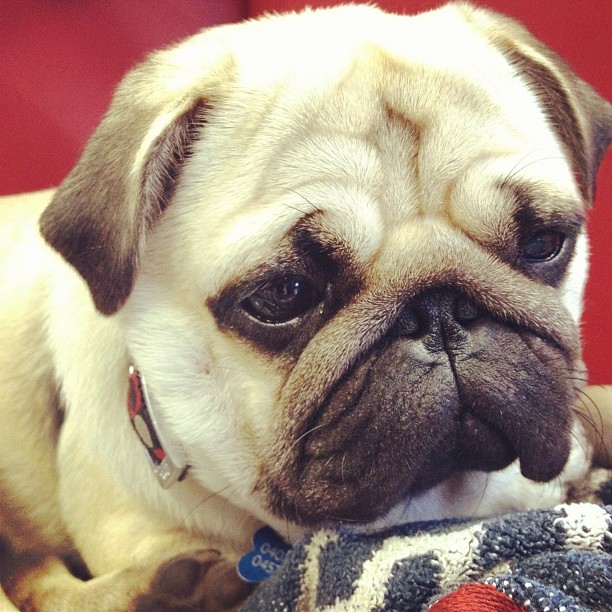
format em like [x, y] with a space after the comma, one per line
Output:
[415, 411]
[362, 482]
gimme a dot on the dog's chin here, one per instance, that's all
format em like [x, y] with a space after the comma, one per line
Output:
[475, 494]
[465, 494]
[348, 490]
[484, 477]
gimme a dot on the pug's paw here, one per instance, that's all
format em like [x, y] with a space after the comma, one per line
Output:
[201, 580]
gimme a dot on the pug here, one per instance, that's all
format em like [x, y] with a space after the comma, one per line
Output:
[317, 269]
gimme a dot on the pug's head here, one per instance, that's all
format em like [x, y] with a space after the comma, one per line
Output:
[347, 249]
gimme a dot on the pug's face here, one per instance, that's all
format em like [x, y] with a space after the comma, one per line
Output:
[351, 271]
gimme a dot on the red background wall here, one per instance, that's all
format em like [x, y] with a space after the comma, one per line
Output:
[59, 62]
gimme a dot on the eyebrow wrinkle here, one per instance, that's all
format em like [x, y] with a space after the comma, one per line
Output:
[553, 207]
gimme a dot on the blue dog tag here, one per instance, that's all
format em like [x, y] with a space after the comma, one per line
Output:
[268, 552]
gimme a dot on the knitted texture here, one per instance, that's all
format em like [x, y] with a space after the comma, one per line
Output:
[539, 560]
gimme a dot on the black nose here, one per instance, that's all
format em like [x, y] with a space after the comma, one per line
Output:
[444, 314]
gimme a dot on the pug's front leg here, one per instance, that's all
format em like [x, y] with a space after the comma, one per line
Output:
[140, 559]
[197, 580]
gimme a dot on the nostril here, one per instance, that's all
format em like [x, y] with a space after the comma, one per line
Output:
[465, 311]
[408, 324]
[433, 312]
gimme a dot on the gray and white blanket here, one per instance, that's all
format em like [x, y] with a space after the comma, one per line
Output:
[543, 560]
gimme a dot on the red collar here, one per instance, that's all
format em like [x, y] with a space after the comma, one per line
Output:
[164, 463]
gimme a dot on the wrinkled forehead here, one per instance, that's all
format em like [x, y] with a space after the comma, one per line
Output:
[374, 154]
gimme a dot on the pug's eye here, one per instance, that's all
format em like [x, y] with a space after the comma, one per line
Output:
[282, 299]
[543, 246]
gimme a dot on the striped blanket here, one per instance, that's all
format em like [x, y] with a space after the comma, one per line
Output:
[542, 560]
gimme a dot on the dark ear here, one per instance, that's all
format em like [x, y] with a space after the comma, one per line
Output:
[581, 119]
[124, 180]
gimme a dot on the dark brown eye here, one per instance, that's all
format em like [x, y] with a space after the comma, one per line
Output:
[543, 246]
[282, 300]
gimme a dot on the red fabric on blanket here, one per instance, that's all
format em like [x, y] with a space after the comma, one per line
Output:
[472, 597]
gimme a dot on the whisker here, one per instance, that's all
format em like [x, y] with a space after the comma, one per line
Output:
[307, 433]
[586, 416]
[303, 212]
[207, 499]
[516, 170]
[300, 195]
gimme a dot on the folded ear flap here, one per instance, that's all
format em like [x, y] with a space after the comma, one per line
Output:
[581, 119]
[124, 180]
